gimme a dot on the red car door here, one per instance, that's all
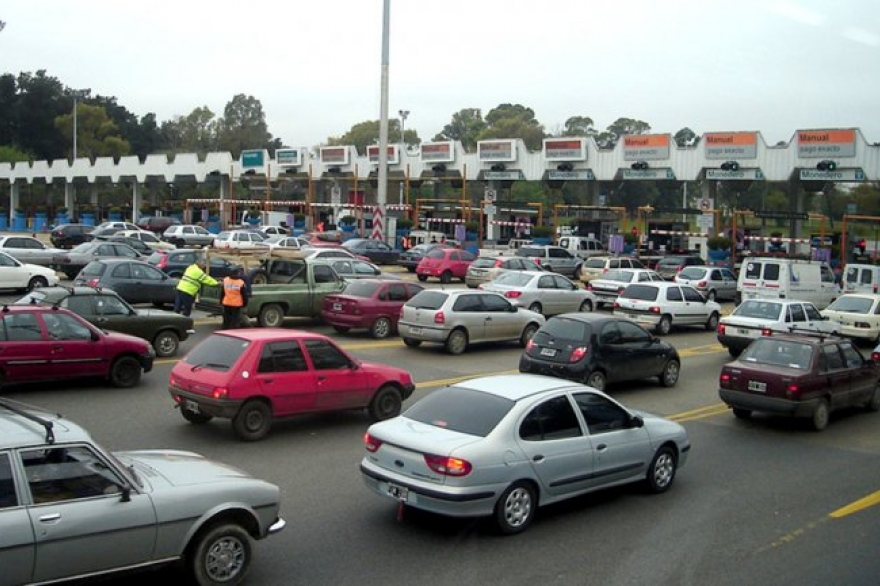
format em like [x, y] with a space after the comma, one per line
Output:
[283, 376]
[340, 384]
[24, 354]
[72, 350]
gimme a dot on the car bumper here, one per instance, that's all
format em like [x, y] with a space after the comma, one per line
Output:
[645, 319]
[570, 371]
[869, 334]
[223, 408]
[419, 332]
[736, 343]
[147, 362]
[453, 501]
[346, 321]
[774, 405]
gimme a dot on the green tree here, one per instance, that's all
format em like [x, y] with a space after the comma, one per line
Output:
[514, 121]
[366, 133]
[9, 107]
[465, 127]
[10, 154]
[40, 100]
[97, 134]
[193, 133]
[686, 137]
[626, 126]
[243, 125]
[579, 126]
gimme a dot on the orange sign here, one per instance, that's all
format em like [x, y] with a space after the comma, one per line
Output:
[649, 147]
[835, 142]
[727, 145]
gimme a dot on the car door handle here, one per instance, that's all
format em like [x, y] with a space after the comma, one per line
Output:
[601, 447]
[320, 378]
[538, 458]
[50, 517]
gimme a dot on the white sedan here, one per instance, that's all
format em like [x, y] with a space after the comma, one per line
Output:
[148, 238]
[857, 314]
[541, 292]
[24, 277]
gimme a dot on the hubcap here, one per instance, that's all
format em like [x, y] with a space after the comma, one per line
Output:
[225, 559]
[382, 327]
[517, 507]
[663, 470]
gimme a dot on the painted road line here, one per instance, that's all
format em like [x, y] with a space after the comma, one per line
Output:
[855, 507]
[701, 413]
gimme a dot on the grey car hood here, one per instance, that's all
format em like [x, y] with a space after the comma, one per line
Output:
[179, 468]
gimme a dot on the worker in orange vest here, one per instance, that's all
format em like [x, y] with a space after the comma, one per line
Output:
[236, 292]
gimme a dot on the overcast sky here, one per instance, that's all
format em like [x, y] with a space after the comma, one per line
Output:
[773, 66]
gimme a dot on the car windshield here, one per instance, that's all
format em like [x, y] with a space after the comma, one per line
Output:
[361, 289]
[852, 304]
[217, 352]
[692, 273]
[81, 247]
[561, 328]
[788, 354]
[514, 279]
[641, 292]
[595, 263]
[671, 261]
[758, 309]
[461, 409]
[622, 276]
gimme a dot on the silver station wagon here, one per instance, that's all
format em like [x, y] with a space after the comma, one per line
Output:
[70, 509]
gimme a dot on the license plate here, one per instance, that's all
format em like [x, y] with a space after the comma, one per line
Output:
[337, 307]
[191, 406]
[415, 331]
[548, 352]
[743, 332]
[757, 386]
[398, 492]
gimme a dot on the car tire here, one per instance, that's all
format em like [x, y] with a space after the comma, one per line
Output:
[661, 472]
[411, 269]
[527, 334]
[411, 343]
[125, 372]
[341, 329]
[381, 328]
[664, 326]
[711, 295]
[386, 403]
[712, 322]
[271, 316]
[423, 278]
[445, 277]
[741, 413]
[516, 508]
[221, 556]
[586, 306]
[597, 380]
[36, 283]
[820, 416]
[671, 371]
[195, 418]
[873, 402]
[253, 420]
[259, 277]
[536, 307]
[166, 343]
[457, 342]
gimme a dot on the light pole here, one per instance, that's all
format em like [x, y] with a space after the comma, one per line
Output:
[403, 115]
[74, 126]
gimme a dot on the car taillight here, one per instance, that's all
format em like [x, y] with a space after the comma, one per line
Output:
[537, 261]
[702, 284]
[678, 270]
[792, 390]
[724, 380]
[92, 283]
[578, 353]
[439, 318]
[512, 294]
[448, 466]
[616, 305]
[604, 271]
[766, 332]
[220, 393]
[530, 345]
[589, 286]
[620, 290]
[163, 262]
[722, 329]
[371, 443]
[875, 356]
[654, 309]
[498, 262]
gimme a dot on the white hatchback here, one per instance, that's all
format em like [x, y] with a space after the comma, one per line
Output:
[15, 274]
[664, 305]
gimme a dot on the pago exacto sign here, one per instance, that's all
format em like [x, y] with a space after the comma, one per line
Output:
[826, 143]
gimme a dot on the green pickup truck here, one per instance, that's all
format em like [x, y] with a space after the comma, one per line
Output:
[281, 287]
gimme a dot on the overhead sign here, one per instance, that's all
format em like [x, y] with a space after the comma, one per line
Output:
[438, 152]
[565, 149]
[502, 175]
[253, 159]
[336, 155]
[647, 174]
[826, 143]
[288, 157]
[496, 150]
[731, 145]
[373, 154]
[722, 175]
[579, 175]
[782, 215]
[645, 147]
[854, 175]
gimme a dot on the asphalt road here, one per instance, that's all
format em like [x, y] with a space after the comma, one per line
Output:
[760, 501]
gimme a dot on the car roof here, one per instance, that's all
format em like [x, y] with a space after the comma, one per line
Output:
[516, 386]
[261, 334]
[591, 318]
[57, 293]
[17, 430]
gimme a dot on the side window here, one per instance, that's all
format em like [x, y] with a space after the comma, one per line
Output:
[601, 414]
[397, 292]
[467, 303]
[325, 356]
[552, 419]
[852, 356]
[771, 271]
[715, 275]
[796, 312]
[614, 264]
[343, 266]
[8, 498]
[324, 274]
[674, 294]
[67, 473]
[79, 304]
[866, 275]
[692, 295]
[282, 357]
[633, 334]
[22, 327]
[63, 327]
[545, 282]
[753, 270]
[122, 271]
[827, 274]
[467, 256]
[495, 303]
[727, 274]
[610, 334]
[812, 313]
[106, 250]
[831, 358]
[412, 290]
[107, 305]
[563, 283]
[126, 251]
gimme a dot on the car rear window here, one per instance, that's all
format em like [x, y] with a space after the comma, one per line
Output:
[623, 276]
[671, 261]
[562, 328]
[595, 263]
[428, 300]
[530, 251]
[483, 263]
[217, 352]
[515, 279]
[461, 409]
[436, 253]
[849, 304]
[361, 289]
[759, 309]
[692, 273]
[642, 292]
[94, 269]
[778, 353]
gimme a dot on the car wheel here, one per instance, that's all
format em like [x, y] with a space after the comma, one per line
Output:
[596, 379]
[381, 328]
[665, 325]
[271, 316]
[411, 269]
[457, 342]
[670, 373]
[253, 420]
[341, 329]
[516, 508]
[221, 556]
[259, 278]
[166, 343]
[873, 402]
[527, 334]
[712, 322]
[195, 418]
[661, 472]
[820, 415]
[711, 295]
[445, 277]
[423, 278]
[36, 283]
[741, 413]
[385, 404]
[125, 372]
[536, 307]
[412, 343]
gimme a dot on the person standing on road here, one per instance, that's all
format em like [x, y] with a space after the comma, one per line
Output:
[236, 292]
[192, 280]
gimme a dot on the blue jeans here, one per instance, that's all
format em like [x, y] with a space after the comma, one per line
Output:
[183, 303]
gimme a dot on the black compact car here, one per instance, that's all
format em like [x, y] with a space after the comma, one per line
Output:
[377, 251]
[174, 262]
[136, 281]
[69, 235]
[599, 349]
[157, 224]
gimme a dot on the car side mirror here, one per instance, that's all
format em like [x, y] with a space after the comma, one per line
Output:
[636, 421]
[126, 494]
[95, 336]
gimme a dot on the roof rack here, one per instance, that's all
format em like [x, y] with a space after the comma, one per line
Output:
[47, 425]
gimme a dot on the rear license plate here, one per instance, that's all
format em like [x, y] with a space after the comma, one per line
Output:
[337, 307]
[757, 386]
[743, 332]
[415, 331]
[191, 406]
[398, 492]
[548, 352]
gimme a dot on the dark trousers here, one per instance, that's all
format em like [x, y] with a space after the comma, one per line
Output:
[231, 317]
[183, 303]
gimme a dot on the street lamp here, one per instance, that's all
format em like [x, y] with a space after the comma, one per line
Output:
[403, 115]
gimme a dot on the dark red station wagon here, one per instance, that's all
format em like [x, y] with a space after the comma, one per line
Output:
[373, 304]
[800, 376]
[255, 375]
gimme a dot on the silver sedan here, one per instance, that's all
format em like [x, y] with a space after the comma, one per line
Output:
[505, 445]
[546, 293]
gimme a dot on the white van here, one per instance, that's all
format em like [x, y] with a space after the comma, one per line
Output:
[785, 278]
[425, 237]
[859, 278]
[582, 246]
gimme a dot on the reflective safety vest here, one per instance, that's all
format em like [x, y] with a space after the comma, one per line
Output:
[232, 292]
[193, 279]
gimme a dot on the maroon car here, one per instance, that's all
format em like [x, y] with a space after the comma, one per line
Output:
[445, 263]
[41, 342]
[373, 304]
[800, 375]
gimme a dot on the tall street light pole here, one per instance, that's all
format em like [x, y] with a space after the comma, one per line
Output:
[403, 115]
[382, 193]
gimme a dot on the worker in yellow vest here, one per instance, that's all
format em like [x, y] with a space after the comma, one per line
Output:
[188, 287]
[236, 292]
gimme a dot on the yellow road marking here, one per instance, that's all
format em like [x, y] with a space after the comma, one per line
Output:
[701, 413]
[855, 507]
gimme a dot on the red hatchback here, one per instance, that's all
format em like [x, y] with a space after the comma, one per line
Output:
[253, 376]
[445, 263]
[373, 304]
